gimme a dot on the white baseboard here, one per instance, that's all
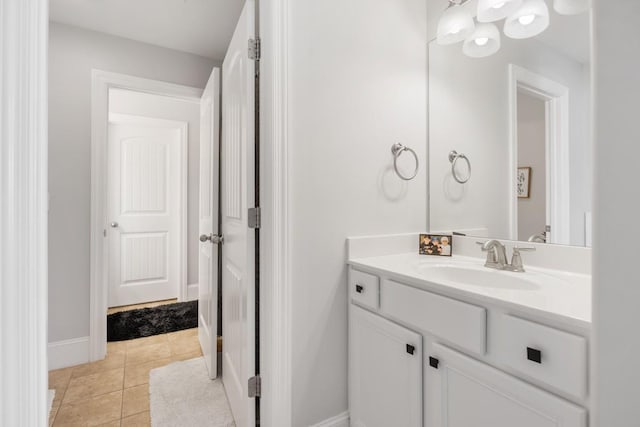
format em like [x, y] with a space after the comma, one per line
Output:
[340, 420]
[63, 354]
[192, 292]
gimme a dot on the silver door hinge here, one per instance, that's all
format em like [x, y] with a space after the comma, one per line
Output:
[254, 218]
[255, 49]
[255, 386]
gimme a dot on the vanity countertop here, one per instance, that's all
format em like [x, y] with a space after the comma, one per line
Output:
[543, 292]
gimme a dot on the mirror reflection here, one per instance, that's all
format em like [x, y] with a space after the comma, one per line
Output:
[519, 112]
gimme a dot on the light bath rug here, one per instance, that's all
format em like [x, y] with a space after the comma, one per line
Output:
[181, 394]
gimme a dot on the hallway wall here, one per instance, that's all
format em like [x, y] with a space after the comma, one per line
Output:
[73, 53]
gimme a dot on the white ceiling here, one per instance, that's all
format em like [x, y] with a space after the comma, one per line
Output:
[202, 27]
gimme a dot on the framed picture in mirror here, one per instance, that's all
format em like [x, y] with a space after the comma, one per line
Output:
[523, 183]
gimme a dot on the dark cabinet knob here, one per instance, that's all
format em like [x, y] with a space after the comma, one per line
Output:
[410, 349]
[534, 355]
[359, 289]
[433, 362]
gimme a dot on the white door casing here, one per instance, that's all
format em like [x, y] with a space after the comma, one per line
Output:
[102, 82]
[237, 196]
[556, 99]
[208, 221]
[146, 204]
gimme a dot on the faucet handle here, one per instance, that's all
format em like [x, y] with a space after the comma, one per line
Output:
[516, 259]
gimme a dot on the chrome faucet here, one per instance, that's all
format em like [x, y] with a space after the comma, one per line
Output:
[496, 254]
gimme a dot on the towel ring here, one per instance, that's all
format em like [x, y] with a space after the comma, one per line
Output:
[453, 159]
[397, 149]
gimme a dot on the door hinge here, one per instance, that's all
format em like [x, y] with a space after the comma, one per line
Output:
[254, 217]
[255, 50]
[255, 386]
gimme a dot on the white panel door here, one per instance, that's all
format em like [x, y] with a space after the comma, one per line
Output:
[145, 209]
[237, 191]
[208, 252]
[463, 392]
[385, 372]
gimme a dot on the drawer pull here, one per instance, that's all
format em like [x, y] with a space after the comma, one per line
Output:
[410, 349]
[359, 289]
[433, 362]
[534, 355]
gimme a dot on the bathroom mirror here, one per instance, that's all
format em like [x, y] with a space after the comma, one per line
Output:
[521, 118]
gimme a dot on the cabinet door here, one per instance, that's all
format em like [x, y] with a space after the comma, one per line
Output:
[385, 372]
[462, 392]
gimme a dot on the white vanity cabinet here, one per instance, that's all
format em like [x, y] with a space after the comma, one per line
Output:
[424, 358]
[462, 392]
[385, 372]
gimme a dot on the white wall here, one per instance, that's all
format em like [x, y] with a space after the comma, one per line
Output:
[616, 288]
[72, 55]
[532, 214]
[469, 113]
[357, 84]
[162, 107]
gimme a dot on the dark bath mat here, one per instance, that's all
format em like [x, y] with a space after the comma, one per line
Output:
[144, 322]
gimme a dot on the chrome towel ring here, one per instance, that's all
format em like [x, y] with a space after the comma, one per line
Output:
[397, 149]
[453, 159]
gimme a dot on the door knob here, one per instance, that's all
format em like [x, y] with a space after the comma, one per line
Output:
[213, 238]
[114, 224]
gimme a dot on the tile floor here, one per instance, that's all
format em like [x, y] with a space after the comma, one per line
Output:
[115, 391]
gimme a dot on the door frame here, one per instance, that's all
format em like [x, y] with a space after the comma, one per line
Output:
[23, 213]
[276, 285]
[556, 99]
[102, 81]
[183, 128]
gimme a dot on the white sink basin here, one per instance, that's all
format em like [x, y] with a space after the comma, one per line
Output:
[479, 276]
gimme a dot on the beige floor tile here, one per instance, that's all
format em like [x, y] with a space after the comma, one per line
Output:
[185, 333]
[139, 374]
[95, 411]
[112, 361]
[52, 415]
[146, 341]
[184, 344]
[116, 347]
[142, 419]
[93, 385]
[115, 423]
[186, 356]
[59, 381]
[148, 353]
[135, 400]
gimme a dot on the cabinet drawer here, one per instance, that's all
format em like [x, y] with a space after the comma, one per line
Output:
[549, 355]
[364, 288]
[458, 322]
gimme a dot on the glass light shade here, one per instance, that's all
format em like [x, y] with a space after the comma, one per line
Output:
[571, 7]
[455, 25]
[484, 41]
[529, 20]
[495, 10]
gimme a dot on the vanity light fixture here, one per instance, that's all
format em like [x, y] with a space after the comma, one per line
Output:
[571, 7]
[495, 10]
[524, 19]
[455, 24]
[529, 20]
[484, 41]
